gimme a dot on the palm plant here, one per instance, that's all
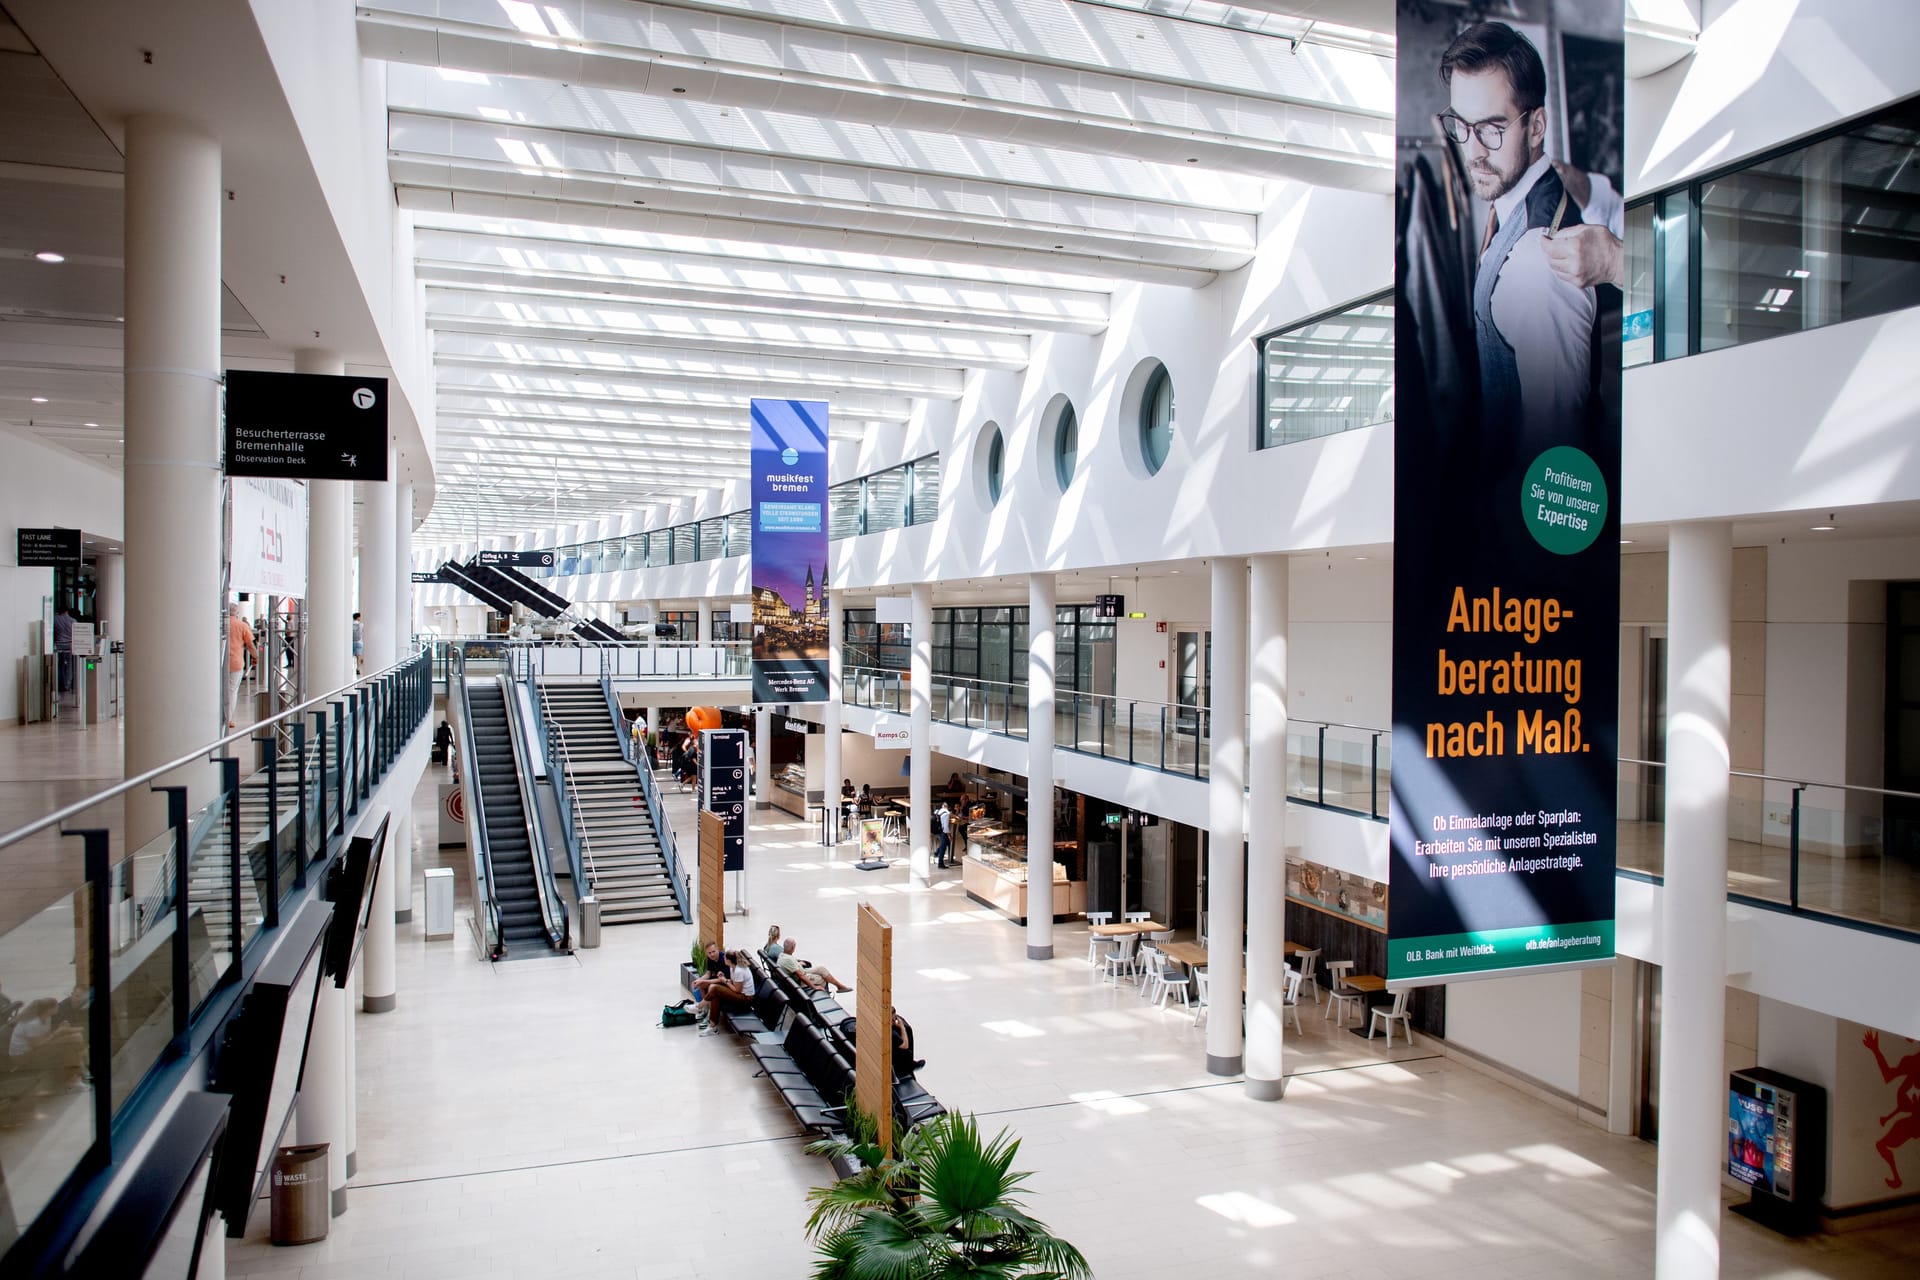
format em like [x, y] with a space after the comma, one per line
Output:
[947, 1205]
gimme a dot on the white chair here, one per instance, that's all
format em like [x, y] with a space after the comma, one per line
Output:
[1137, 917]
[1153, 967]
[1291, 1002]
[1387, 1017]
[1200, 1001]
[1121, 959]
[1337, 972]
[1095, 943]
[1309, 961]
[1172, 980]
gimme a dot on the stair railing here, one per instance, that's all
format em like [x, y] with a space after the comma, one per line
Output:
[655, 810]
[573, 824]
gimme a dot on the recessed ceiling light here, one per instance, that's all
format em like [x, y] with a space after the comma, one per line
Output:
[48, 255]
[1626, 542]
[1821, 528]
[90, 424]
[39, 399]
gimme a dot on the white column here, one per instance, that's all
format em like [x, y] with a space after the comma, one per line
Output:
[1267, 828]
[175, 661]
[653, 632]
[112, 603]
[836, 654]
[705, 624]
[378, 560]
[762, 757]
[1694, 903]
[329, 650]
[1041, 668]
[350, 1038]
[321, 1111]
[376, 959]
[1226, 815]
[402, 846]
[920, 744]
[402, 569]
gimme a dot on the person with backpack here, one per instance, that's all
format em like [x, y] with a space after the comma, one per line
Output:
[944, 849]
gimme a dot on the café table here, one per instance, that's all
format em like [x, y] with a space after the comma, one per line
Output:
[1126, 928]
[1369, 985]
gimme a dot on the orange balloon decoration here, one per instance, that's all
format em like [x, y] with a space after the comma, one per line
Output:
[700, 718]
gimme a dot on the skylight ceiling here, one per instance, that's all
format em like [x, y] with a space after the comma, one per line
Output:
[632, 217]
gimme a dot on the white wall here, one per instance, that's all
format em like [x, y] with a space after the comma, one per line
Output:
[1528, 1024]
[1767, 71]
[42, 487]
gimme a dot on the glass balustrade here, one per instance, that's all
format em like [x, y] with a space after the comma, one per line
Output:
[132, 912]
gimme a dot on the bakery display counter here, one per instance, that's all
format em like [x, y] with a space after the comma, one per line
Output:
[790, 790]
[994, 874]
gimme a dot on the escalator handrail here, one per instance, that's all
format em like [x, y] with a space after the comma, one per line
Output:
[486, 899]
[650, 791]
[458, 575]
[553, 908]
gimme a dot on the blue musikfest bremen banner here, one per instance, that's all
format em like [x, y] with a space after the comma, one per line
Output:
[1508, 271]
[789, 551]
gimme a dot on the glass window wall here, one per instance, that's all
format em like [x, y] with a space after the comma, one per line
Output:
[1330, 374]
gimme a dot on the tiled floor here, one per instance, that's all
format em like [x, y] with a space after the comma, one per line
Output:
[529, 1119]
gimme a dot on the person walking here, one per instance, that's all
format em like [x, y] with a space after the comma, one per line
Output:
[63, 647]
[359, 645]
[239, 645]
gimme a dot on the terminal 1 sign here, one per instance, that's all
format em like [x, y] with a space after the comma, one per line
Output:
[1506, 583]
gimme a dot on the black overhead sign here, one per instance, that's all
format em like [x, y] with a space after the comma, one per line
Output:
[519, 559]
[306, 426]
[42, 548]
[1109, 606]
[427, 577]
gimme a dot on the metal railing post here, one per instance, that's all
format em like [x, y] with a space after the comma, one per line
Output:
[100, 982]
[270, 744]
[1793, 852]
[300, 802]
[1373, 781]
[1321, 788]
[182, 958]
[230, 785]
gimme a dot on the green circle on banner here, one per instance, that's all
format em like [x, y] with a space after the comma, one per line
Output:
[1563, 500]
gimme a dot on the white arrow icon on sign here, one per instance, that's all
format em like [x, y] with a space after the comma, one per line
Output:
[363, 398]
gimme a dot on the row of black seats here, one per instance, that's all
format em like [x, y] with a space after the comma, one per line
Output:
[802, 1040]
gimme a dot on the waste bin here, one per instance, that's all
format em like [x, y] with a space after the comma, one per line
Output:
[300, 1207]
[589, 922]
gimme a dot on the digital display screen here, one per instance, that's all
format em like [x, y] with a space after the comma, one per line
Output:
[1750, 1137]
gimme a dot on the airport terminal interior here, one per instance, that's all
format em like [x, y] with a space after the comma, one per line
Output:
[570, 567]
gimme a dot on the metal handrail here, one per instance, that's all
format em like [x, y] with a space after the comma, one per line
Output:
[559, 767]
[552, 907]
[492, 940]
[1801, 783]
[656, 810]
[198, 756]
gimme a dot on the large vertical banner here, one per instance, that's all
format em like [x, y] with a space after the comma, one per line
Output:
[1509, 262]
[789, 551]
[268, 537]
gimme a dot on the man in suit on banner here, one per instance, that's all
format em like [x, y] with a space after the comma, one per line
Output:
[1543, 252]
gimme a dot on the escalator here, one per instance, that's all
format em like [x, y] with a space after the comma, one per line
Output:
[530, 915]
[502, 587]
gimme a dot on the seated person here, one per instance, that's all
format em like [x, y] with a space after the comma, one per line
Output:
[713, 971]
[904, 1063]
[846, 790]
[770, 952]
[866, 800]
[734, 992]
[812, 975]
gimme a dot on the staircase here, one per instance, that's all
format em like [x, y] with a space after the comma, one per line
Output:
[208, 887]
[505, 819]
[622, 849]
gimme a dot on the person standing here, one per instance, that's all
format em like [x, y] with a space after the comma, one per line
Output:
[945, 847]
[359, 645]
[239, 645]
[63, 646]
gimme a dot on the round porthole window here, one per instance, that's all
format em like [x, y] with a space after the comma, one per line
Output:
[992, 456]
[1066, 444]
[1156, 420]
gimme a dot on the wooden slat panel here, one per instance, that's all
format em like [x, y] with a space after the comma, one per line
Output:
[873, 1065]
[713, 879]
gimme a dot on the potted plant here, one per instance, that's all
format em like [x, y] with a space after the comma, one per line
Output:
[947, 1203]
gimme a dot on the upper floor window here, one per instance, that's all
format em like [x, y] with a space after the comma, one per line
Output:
[1156, 420]
[1066, 444]
[1328, 374]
